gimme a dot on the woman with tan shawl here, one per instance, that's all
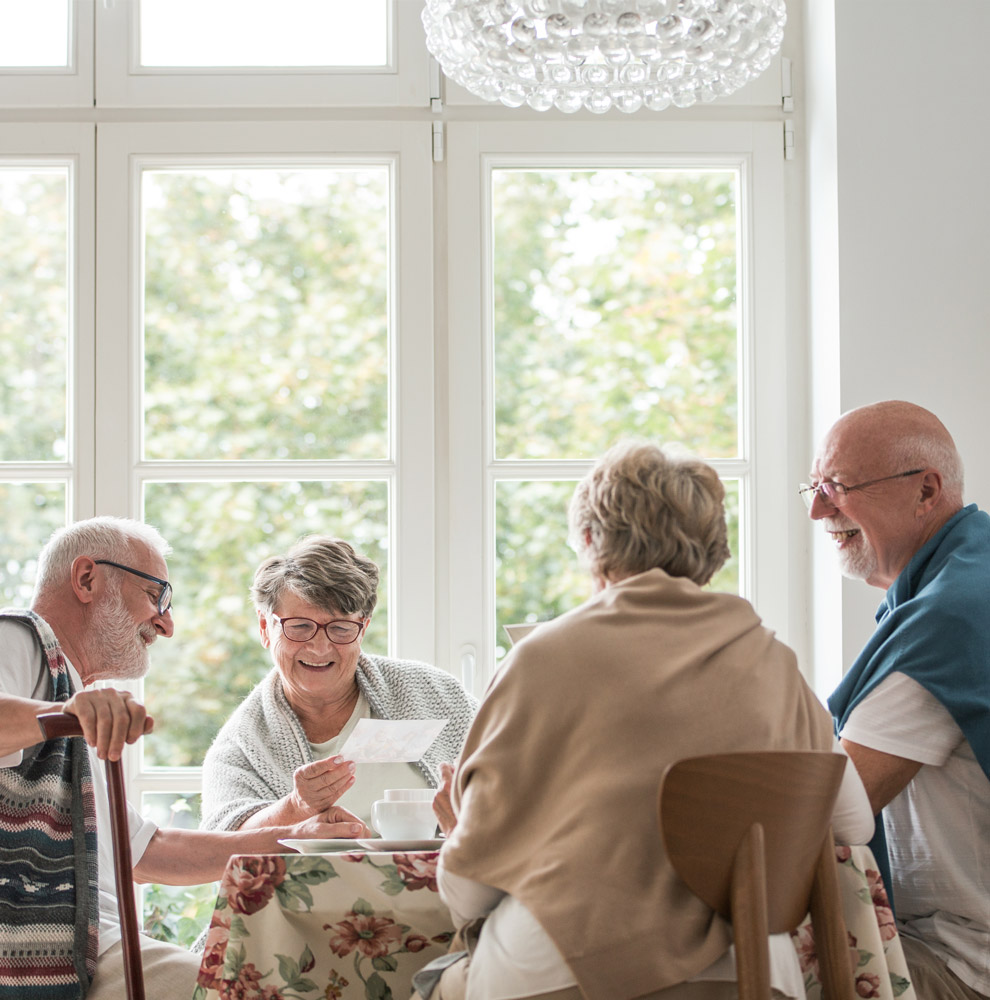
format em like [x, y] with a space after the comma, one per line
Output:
[551, 820]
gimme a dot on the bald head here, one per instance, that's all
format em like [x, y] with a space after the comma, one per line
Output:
[902, 480]
[892, 436]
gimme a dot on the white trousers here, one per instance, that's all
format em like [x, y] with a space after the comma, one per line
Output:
[169, 972]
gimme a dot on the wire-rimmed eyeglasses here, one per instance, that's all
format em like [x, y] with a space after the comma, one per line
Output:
[834, 494]
[164, 595]
[341, 632]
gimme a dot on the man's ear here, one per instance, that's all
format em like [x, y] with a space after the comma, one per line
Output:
[931, 490]
[86, 581]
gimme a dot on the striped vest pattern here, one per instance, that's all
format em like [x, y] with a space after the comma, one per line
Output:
[49, 896]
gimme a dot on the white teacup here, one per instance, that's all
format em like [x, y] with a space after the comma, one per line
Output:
[397, 819]
[410, 794]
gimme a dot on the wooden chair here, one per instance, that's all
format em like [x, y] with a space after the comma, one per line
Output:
[749, 834]
[58, 724]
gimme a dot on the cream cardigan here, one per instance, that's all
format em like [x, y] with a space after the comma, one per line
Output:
[252, 760]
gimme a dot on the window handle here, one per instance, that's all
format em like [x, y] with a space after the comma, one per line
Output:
[469, 661]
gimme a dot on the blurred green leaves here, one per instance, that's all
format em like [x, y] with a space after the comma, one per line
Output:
[614, 310]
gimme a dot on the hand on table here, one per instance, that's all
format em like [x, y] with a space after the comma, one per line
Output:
[442, 807]
[333, 824]
[318, 785]
[109, 719]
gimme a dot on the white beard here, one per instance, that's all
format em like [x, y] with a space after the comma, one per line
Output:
[118, 642]
[860, 562]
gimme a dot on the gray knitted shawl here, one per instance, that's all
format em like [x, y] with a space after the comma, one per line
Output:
[252, 760]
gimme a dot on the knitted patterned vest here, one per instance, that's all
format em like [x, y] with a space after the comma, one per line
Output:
[49, 903]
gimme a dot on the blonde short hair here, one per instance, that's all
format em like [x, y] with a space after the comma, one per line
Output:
[323, 571]
[641, 508]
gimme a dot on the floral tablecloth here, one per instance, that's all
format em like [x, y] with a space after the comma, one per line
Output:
[358, 926]
[323, 927]
[880, 969]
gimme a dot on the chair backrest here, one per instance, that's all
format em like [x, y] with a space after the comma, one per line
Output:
[58, 724]
[749, 834]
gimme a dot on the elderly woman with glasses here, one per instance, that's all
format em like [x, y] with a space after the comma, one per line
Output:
[277, 759]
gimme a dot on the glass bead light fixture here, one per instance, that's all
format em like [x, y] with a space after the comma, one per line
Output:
[599, 54]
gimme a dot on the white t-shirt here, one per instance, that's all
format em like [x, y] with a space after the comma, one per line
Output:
[938, 827]
[516, 958]
[21, 675]
[370, 780]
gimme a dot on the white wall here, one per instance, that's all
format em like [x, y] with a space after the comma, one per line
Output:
[899, 218]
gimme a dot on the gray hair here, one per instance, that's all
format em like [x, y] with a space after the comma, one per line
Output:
[97, 537]
[323, 571]
[930, 451]
[641, 508]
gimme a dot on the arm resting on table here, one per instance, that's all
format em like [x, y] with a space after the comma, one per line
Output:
[192, 857]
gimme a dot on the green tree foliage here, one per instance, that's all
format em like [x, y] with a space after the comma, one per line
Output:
[34, 234]
[614, 316]
[614, 310]
[176, 913]
[34, 318]
[30, 512]
[266, 314]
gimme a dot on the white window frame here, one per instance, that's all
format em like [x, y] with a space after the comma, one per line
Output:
[473, 150]
[60, 86]
[123, 150]
[73, 145]
[121, 82]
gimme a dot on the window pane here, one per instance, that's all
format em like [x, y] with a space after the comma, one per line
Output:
[30, 512]
[175, 913]
[614, 310]
[220, 533]
[34, 317]
[537, 574]
[266, 313]
[262, 33]
[34, 33]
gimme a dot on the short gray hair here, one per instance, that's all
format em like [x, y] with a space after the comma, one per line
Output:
[930, 451]
[323, 571]
[97, 537]
[643, 509]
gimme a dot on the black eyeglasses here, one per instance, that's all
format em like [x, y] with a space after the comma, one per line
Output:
[341, 632]
[835, 493]
[164, 595]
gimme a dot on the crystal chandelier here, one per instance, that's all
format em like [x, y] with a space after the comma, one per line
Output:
[598, 54]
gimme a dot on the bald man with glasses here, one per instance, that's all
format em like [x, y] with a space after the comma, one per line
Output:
[913, 711]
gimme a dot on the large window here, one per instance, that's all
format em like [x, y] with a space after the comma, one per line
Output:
[277, 339]
[35, 227]
[289, 309]
[614, 315]
[616, 296]
[46, 341]
[266, 339]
